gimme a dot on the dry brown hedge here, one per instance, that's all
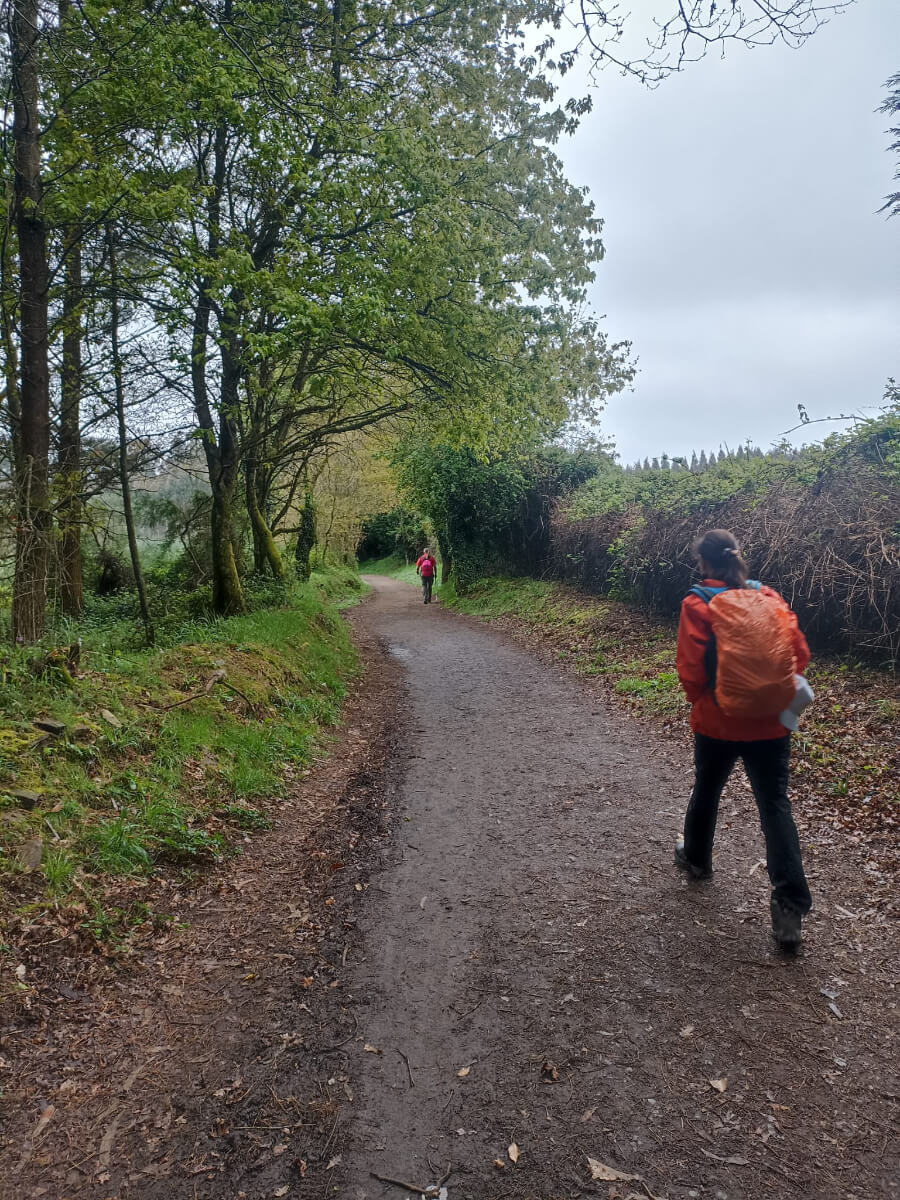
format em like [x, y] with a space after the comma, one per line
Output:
[831, 546]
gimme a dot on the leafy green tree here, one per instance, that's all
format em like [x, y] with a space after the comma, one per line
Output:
[410, 246]
[491, 512]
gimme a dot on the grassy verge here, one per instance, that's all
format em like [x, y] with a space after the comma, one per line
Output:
[394, 566]
[159, 761]
[846, 754]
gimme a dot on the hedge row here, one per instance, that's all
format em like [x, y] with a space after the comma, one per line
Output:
[824, 529]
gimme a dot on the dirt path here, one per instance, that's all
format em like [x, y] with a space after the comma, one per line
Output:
[465, 933]
[529, 931]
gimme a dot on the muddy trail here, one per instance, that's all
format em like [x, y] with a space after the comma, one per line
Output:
[465, 961]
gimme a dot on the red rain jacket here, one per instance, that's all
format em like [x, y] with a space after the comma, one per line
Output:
[694, 632]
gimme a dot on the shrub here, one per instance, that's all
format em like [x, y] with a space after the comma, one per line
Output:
[821, 526]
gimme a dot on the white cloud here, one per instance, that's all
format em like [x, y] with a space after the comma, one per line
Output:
[746, 260]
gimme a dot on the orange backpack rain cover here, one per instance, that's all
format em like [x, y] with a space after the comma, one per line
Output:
[754, 653]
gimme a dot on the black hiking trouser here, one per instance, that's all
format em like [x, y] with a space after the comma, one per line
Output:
[767, 764]
[427, 584]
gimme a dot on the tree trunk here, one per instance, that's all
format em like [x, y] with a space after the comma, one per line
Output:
[123, 441]
[262, 534]
[69, 482]
[228, 597]
[29, 605]
[69, 478]
[9, 294]
[259, 554]
[221, 451]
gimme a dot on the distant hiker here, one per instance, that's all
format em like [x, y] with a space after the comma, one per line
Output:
[740, 660]
[426, 565]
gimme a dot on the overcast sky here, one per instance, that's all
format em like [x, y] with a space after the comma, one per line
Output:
[745, 257]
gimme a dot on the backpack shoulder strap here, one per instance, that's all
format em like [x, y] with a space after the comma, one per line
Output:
[706, 593]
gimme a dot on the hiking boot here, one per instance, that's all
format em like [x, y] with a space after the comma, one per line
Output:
[684, 863]
[786, 923]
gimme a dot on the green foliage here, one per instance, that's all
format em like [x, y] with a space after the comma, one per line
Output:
[469, 501]
[396, 532]
[59, 867]
[420, 255]
[117, 847]
[245, 817]
[192, 765]
[819, 524]
[306, 537]
[529, 599]
[490, 513]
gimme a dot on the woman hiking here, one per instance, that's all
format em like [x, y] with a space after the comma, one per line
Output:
[426, 565]
[740, 655]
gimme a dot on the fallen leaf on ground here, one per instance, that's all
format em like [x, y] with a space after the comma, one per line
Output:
[733, 1160]
[370, 1049]
[586, 1115]
[46, 1118]
[687, 1031]
[282, 1191]
[334, 1162]
[499, 1164]
[110, 718]
[600, 1170]
[549, 1071]
[513, 1152]
[719, 1084]
[463, 1072]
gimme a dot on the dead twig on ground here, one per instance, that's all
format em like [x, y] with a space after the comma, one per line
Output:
[408, 1069]
[400, 1183]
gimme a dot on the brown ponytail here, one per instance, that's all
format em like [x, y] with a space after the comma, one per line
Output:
[719, 548]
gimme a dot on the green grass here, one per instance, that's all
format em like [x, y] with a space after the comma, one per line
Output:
[530, 599]
[187, 766]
